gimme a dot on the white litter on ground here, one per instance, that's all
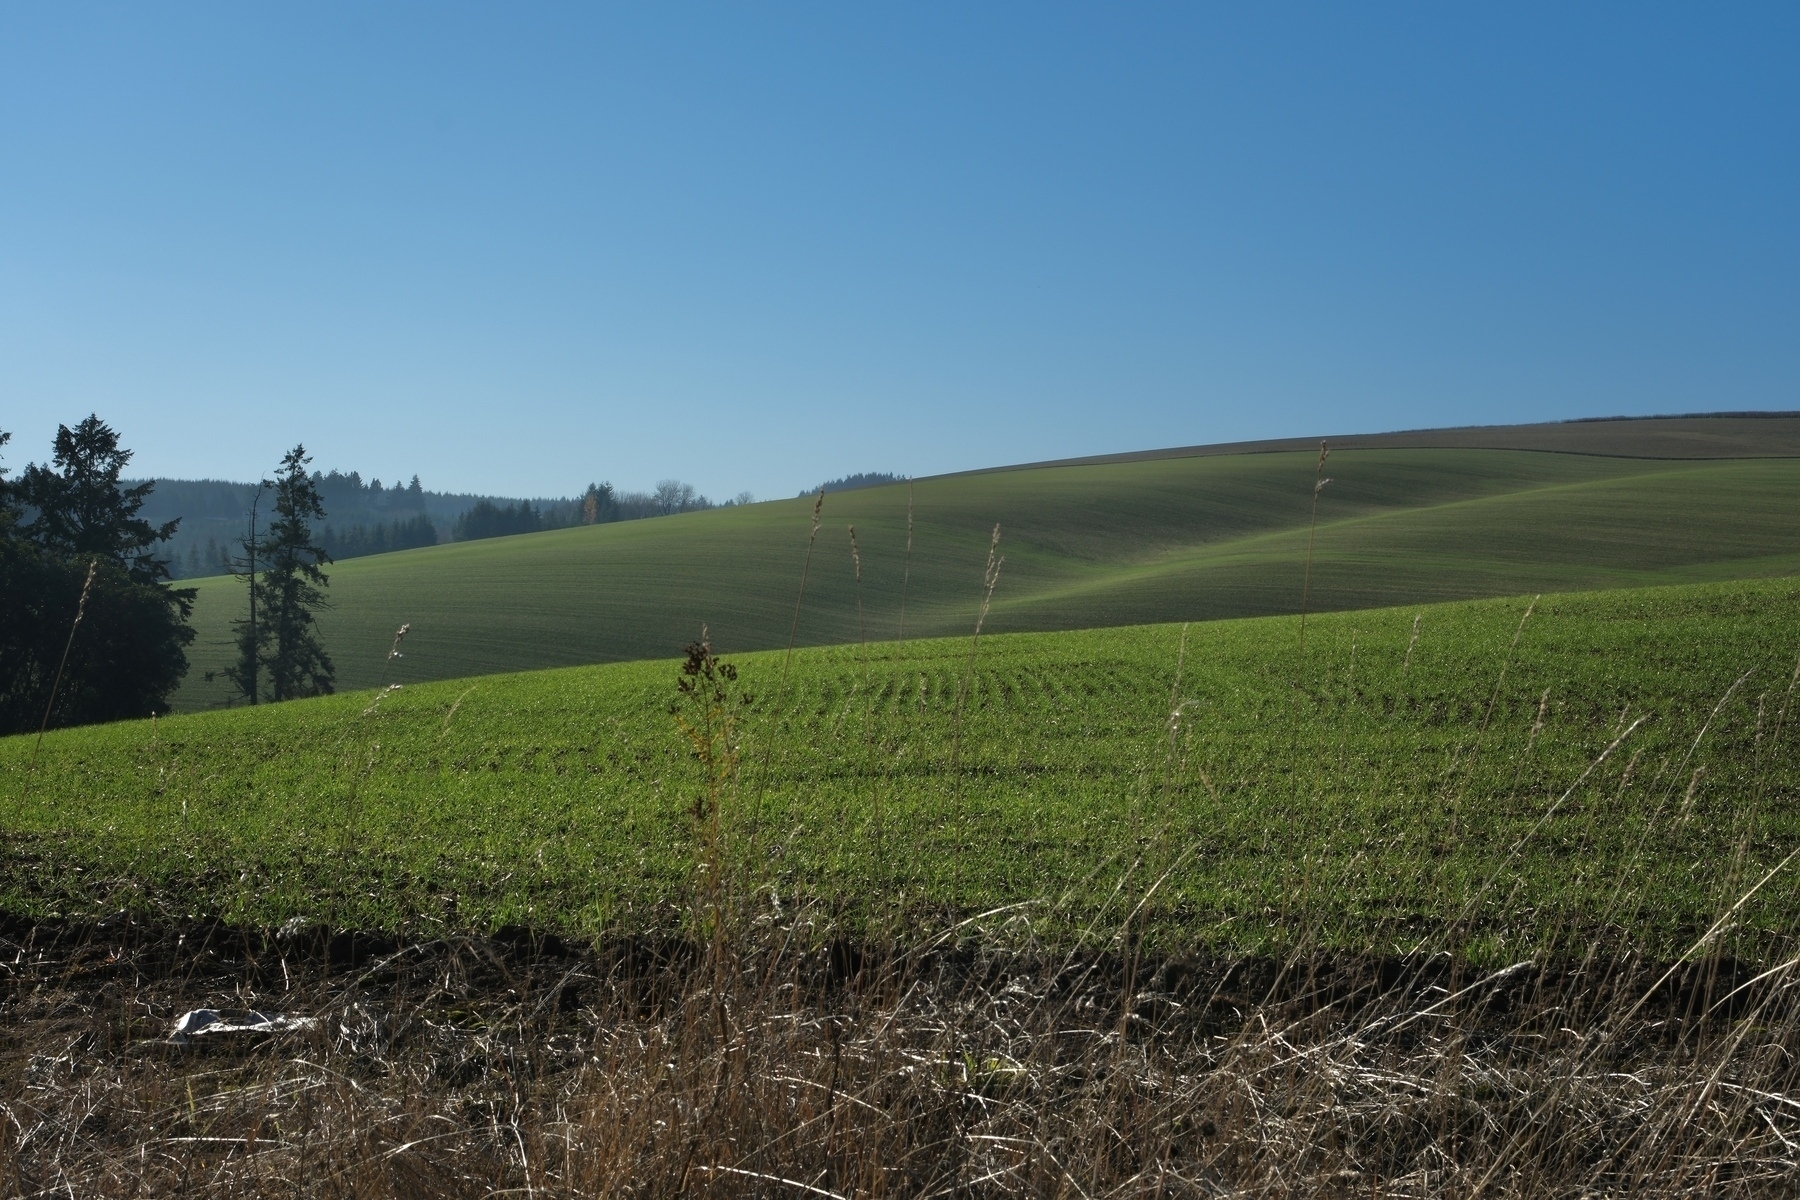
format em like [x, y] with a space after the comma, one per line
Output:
[207, 1022]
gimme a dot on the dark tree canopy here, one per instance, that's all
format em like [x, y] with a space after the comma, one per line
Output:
[81, 511]
[600, 503]
[129, 652]
[9, 514]
[125, 660]
[359, 541]
[486, 520]
[849, 483]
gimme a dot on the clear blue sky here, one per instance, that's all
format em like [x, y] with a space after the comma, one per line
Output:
[514, 248]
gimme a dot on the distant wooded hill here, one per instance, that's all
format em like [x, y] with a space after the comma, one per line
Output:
[364, 518]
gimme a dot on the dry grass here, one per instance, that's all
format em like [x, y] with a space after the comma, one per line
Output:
[783, 1064]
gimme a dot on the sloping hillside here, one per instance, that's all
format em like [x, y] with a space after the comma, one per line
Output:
[1192, 537]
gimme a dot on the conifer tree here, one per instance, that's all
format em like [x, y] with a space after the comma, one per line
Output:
[75, 553]
[83, 513]
[292, 586]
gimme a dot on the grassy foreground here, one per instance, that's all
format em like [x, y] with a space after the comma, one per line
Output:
[1410, 790]
[1086, 546]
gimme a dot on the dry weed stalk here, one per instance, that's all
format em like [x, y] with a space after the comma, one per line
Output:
[1312, 533]
[906, 571]
[787, 661]
[371, 750]
[876, 778]
[706, 713]
[990, 578]
[87, 585]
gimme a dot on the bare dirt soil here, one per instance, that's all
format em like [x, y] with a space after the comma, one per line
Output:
[771, 1062]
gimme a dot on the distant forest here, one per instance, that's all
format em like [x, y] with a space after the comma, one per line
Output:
[371, 518]
[850, 483]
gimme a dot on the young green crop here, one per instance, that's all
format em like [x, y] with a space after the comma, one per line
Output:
[1401, 791]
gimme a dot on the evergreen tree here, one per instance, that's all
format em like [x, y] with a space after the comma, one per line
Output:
[599, 504]
[9, 513]
[81, 510]
[292, 586]
[130, 652]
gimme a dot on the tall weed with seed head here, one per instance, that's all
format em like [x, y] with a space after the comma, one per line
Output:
[359, 774]
[990, 578]
[868, 696]
[87, 586]
[706, 711]
[787, 660]
[1312, 534]
[906, 570]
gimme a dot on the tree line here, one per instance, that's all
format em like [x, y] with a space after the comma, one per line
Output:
[359, 541]
[849, 483]
[368, 518]
[351, 541]
[601, 503]
[92, 629]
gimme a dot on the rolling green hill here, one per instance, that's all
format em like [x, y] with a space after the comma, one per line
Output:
[1695, 435]
[1196, 537]
[1435, 767]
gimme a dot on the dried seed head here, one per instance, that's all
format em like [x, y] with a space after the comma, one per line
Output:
[87, 585]
[991, 575]
[376, 703]
[989, 578]
[855, 557]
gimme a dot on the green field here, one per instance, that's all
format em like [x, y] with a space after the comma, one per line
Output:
[1404, 790]
[1164, 539]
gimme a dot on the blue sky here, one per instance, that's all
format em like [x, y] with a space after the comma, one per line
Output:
[516, 248]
